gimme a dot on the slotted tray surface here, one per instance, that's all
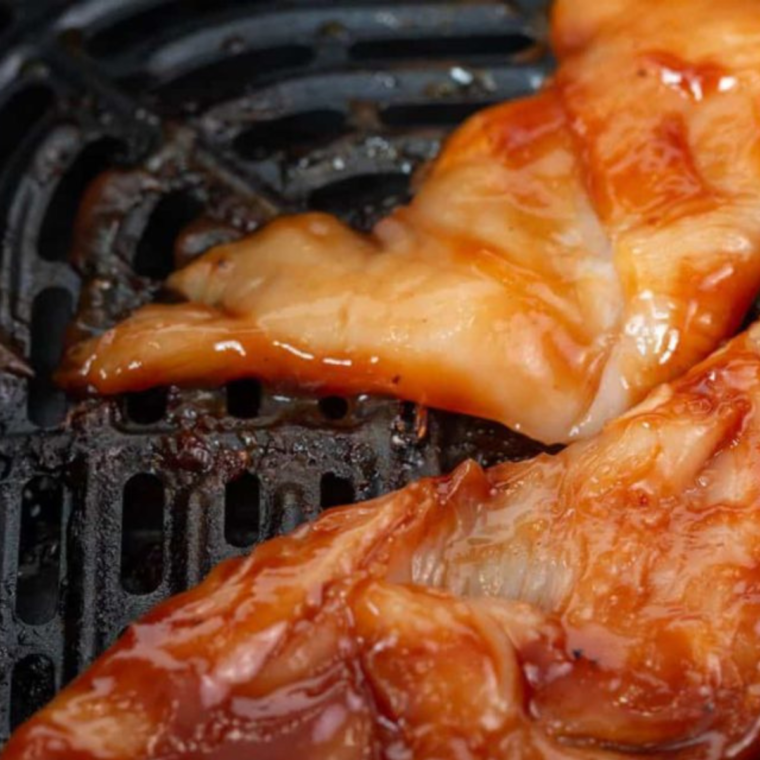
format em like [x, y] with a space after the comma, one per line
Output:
[134, 134]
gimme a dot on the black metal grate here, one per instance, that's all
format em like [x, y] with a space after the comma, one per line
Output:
[133, 135]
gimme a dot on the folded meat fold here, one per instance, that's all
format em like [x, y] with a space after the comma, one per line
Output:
[599, 603]
[565, 253]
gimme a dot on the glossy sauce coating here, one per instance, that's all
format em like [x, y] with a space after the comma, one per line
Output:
[600, 603]
[566, 253]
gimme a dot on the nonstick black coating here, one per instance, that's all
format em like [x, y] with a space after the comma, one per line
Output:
[134, 134]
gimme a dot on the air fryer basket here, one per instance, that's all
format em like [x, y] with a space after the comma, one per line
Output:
[134, 134]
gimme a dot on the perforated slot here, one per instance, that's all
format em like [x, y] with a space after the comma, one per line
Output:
[51, 313]
[19, 115]
[335, 491]
[242, 507]
[39, 551]
[6, 17]
[142, 537]
[408, 414]
[360, 200]
[231, 76]
[133, 29]
[154, 256]
[291, 133]
[58, 225]
[430, 114]
[447, 47]
[146, 407]
[32, 687]
[333, 407]
[244, 398]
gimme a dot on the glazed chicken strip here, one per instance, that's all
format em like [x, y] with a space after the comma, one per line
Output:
[566, 253]
[600, 603]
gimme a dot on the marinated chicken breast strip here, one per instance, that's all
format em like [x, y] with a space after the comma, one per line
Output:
[600, 603]
[566, 253]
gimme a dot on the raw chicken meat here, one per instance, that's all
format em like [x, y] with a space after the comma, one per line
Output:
[566, 253]
[600, 603]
